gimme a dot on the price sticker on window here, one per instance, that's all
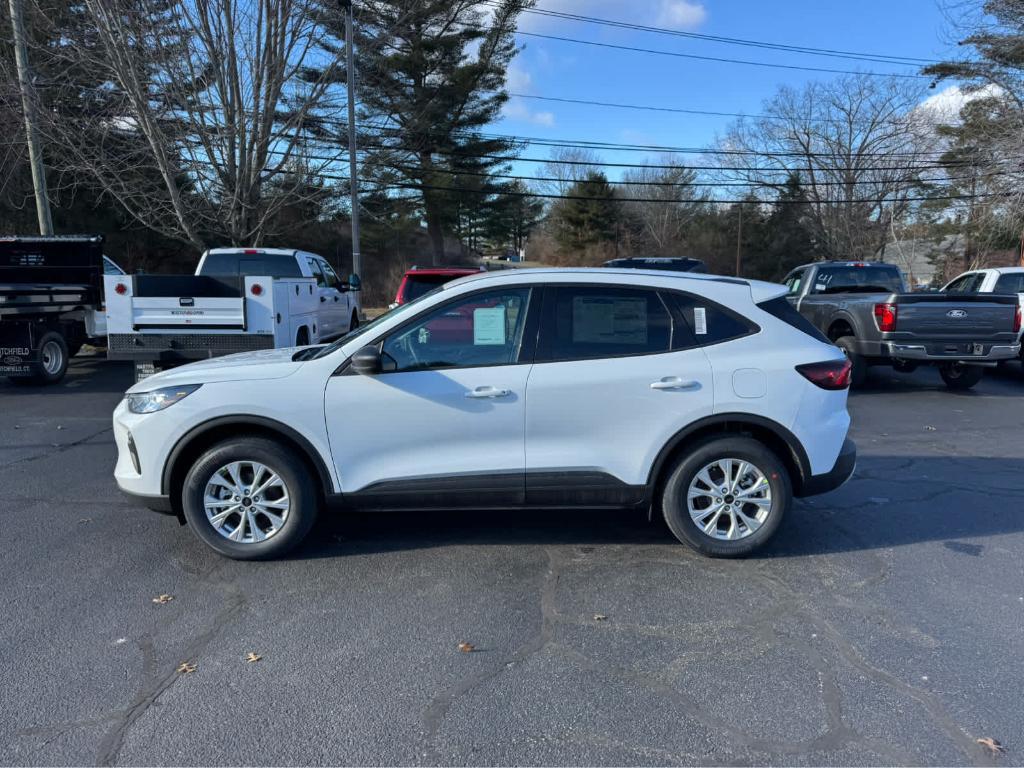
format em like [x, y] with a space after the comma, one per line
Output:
[700, 321]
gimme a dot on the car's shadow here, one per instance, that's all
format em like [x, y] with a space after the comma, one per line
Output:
[954, 499]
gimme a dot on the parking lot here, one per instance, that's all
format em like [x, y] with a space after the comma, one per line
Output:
[881, 625]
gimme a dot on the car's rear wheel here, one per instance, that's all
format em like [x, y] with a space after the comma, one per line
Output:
[960, 376]
[858, 365]
[727, 497]
[250, 499]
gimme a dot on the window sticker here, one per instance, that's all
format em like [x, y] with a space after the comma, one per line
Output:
[597, 319]
[700, 321]
[488, 325]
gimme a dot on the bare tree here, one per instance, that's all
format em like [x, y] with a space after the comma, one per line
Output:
[856, 145]
[208, 102]
[662, 204]
[567, 166]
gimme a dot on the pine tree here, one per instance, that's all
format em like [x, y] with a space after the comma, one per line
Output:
[588, 215]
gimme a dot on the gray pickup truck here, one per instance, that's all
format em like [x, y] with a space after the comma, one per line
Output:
[864, 309]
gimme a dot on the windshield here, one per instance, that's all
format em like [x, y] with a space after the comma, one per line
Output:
[867, 279]
[420, 285]
[363, 329]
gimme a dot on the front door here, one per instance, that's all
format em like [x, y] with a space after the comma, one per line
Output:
[617, 374]
[443, 424]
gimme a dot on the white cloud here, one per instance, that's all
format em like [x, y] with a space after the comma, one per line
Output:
[517, 109]
[518, 80]
[681, 14]
[946, 104]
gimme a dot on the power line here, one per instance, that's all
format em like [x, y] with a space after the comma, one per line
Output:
[676, 54]
[789, 48]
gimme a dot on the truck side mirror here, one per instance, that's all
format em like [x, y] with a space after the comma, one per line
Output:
[354, 283]
[366, 361]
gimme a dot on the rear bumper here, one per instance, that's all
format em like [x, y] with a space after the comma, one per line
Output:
[182, 347]
[835, 477]
[937, 352]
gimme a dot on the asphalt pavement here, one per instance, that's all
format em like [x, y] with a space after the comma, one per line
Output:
[884, 624]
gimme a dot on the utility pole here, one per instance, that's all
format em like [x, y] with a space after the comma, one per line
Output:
[739, 239]
[28, 105]
[353, 174]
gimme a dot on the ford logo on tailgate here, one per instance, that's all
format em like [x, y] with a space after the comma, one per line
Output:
[957, 313]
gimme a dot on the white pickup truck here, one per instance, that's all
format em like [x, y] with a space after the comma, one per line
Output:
[1008, 280]
[238, 300]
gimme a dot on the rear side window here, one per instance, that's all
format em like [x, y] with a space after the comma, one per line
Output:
[783, 310]
[582, 322]
[1012, 283]
[967, 283]
[711, 323]
[251, 264]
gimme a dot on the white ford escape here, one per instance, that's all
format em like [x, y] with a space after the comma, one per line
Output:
[707, 397]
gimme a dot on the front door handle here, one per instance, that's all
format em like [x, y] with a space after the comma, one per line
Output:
[323, 298]
[674, 382]
[488, 391]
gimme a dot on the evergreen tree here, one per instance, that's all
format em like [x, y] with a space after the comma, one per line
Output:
[588, 215]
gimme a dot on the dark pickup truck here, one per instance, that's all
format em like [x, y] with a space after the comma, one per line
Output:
[864, 309]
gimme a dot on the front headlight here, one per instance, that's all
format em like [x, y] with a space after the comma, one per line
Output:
[158, 399]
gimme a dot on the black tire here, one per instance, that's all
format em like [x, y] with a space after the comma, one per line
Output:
[302, 337]
[959, 376]
[53, 355]
[904, 366]
[675, 492]
[299, 484]
[859, 372]
[354, 322]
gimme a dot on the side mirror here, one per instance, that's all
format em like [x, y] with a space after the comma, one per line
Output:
[354, 283]
[366, 361]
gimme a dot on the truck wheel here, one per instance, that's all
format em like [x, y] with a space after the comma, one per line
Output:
[727, 497]
[53, 359]
[302, 337]
[859, 370]
[904, 366]
[354, 323]
[960, 376]
[250, 498]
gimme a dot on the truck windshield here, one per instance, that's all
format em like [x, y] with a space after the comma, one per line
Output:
[870, 278]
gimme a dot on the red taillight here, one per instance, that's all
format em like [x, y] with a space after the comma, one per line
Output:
[250, 251]
[120, 289]
[1016, 320]
[256, 290]
[885, 317]
[834, 374]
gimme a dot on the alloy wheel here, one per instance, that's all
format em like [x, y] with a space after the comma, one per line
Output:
[246, 502]
[729, 499]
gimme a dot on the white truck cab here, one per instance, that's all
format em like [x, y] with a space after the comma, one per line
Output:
[238, 300]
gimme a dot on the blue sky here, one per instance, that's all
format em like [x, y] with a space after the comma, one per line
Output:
[915, 28]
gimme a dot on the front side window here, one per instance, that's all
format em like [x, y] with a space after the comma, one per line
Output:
[794, 281]
[481, 329]
[581, 323]
[329, 274]
[318, 273]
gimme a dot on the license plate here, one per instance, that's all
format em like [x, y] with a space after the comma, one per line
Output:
[978, 349]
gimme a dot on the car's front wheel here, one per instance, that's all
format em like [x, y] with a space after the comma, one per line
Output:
[250, 498]
[727, 497]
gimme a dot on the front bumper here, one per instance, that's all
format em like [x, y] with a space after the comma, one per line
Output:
[841, 471]
[946, 352]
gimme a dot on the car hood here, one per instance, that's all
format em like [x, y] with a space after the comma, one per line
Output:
[244, 366]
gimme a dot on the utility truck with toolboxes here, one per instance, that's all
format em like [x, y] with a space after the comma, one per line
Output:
[238, 300]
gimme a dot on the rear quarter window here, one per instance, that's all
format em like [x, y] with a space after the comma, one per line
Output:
[711, 323]
[781, 309]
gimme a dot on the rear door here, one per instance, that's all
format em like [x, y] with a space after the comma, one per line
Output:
[617, 374]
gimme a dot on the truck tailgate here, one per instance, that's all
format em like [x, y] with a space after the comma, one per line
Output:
[956, 317]
[168, 312]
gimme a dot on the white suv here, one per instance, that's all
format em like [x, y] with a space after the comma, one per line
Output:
[707, 397]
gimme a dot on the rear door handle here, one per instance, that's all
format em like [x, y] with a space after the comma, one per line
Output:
[323, 298]
[674, 382]
[488, 391]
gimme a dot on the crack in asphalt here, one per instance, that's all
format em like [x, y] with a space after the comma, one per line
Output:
[56, 449]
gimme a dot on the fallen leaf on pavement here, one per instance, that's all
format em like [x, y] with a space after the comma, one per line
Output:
[599, 617]
[251, 657]
[162, 599]
[993, 746]
[187, 668]
[465, 647]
